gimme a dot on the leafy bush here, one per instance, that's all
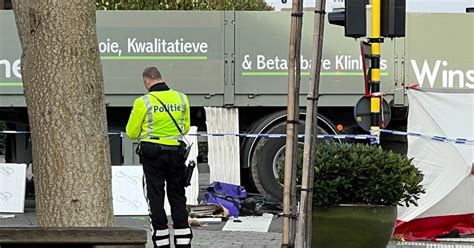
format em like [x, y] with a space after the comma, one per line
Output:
[182, 5]
[357, 173]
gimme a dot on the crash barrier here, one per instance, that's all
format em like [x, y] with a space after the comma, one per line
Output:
[41, 237]
[437, 138]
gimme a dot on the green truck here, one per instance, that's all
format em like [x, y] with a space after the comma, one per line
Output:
[231, 59]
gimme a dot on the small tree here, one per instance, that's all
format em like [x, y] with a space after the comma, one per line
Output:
[64, 92]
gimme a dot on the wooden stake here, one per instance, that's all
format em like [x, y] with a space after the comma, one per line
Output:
[289, 192]
[311, 127]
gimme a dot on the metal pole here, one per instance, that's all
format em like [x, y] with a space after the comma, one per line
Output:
[289, 192]
[311, 125]
[375, 101]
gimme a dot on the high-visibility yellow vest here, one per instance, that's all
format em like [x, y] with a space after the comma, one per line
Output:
[150, 122]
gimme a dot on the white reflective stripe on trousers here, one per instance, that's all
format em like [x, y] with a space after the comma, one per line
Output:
[185, 241]
[162, 232]
[181, 232]
[162, 242]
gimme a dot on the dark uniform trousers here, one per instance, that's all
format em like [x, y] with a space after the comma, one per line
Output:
[165, 164]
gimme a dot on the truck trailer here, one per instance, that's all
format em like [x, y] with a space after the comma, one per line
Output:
[238, 59]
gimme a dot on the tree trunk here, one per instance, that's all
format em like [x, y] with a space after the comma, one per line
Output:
[62, 78]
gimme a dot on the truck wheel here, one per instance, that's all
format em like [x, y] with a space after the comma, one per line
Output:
[265, 156]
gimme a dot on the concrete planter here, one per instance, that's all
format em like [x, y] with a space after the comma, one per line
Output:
[354, 226]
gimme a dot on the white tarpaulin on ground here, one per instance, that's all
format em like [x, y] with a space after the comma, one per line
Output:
[12, 188]
[127, 186]
[446, 166]
[249, 223]
[224, 151]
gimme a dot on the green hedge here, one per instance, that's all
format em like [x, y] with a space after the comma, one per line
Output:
[248, 5]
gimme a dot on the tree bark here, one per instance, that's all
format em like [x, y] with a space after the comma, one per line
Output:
[64, 91]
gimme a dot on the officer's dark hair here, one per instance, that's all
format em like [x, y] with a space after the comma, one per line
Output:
[152, 73]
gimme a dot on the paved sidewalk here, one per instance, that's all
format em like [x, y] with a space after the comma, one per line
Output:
[213, 236]
[210, 236]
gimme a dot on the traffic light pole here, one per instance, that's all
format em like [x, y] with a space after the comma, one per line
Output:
[375, 98]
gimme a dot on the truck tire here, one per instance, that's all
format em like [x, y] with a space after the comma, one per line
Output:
[264, 156]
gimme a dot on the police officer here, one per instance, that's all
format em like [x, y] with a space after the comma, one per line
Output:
[161, 153]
